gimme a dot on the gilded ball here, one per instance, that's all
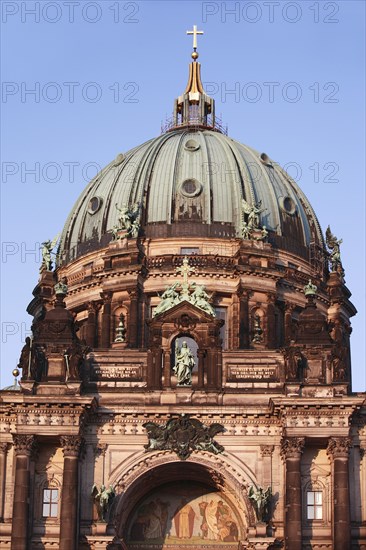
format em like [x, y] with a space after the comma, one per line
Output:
[15, 372]
[195, 55]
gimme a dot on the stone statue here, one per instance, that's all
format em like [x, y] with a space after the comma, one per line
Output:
[245, 231]
[103, 499]
[252, 213]
[260, 500]
[257, 330]
[264, 233]
[169, 298]
[74, 358]
[184, 364]
[199, 298]
[310, 289]
[128, 220]
[183, 435]
[26, 358]
[46, 250]
[334, 246]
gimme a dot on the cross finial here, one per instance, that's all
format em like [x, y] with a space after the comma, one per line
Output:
[185, 269]
[195, 32]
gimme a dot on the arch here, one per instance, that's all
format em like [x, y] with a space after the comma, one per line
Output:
[216, 473]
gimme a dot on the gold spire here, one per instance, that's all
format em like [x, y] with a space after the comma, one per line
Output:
[194, 32]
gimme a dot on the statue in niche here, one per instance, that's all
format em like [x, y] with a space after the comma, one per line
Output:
[46, 251]
[260, 499]
[334, 246]
[129, 220]
[257, 330]
[103, 499]
[184, 364]
[295, 364]
[74, 358]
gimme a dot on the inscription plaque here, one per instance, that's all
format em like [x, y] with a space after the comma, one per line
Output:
[124, 373]
[240, 373]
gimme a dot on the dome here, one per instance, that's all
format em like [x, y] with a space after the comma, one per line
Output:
[191, 182]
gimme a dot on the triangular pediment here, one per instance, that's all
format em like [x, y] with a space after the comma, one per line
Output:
[184, 308]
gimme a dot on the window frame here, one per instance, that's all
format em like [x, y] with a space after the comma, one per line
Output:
[51, 503]
[314, 505]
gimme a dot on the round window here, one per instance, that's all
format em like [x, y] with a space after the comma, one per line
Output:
[288, 205]
[191, 188]
[191, 145]
[94, 204]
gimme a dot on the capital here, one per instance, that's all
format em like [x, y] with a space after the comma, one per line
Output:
[24, 444]
[71, 445]
[338, 447]
[292, 447]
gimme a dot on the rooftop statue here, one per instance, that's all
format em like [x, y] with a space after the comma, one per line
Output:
[190, 292]
[169, 298]
[129, 220]
[199, 298]
[46, 251]
[252, 213]
[334, 246]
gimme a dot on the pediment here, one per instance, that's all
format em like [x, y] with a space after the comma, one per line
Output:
[184, 310]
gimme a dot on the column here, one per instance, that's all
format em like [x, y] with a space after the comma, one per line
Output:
[3, 454]
[338, 451]
[292, 448]
[244, 319]
[106, 319]
[24, 446]
[69, 497]
[167, 369]
[201, 368]
[133, 319]
[91, 325]
[266, 454]
[289, 308]
[271, 321]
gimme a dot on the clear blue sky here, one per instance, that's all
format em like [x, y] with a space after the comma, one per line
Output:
[104, 75]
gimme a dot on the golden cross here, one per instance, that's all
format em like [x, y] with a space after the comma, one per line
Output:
[185, 269]
[195, 32]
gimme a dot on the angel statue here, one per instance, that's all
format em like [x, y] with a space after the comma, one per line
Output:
[128, 219]
[103, 499]
[260, 500]
[184, 364]
[334, 246]
[46, 251]
[252, 213]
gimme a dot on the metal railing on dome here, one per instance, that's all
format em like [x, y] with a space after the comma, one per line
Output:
[195, 122]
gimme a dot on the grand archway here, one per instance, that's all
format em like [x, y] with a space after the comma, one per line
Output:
[182, 504]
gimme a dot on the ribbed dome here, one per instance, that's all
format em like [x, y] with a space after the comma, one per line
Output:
[191, 182]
